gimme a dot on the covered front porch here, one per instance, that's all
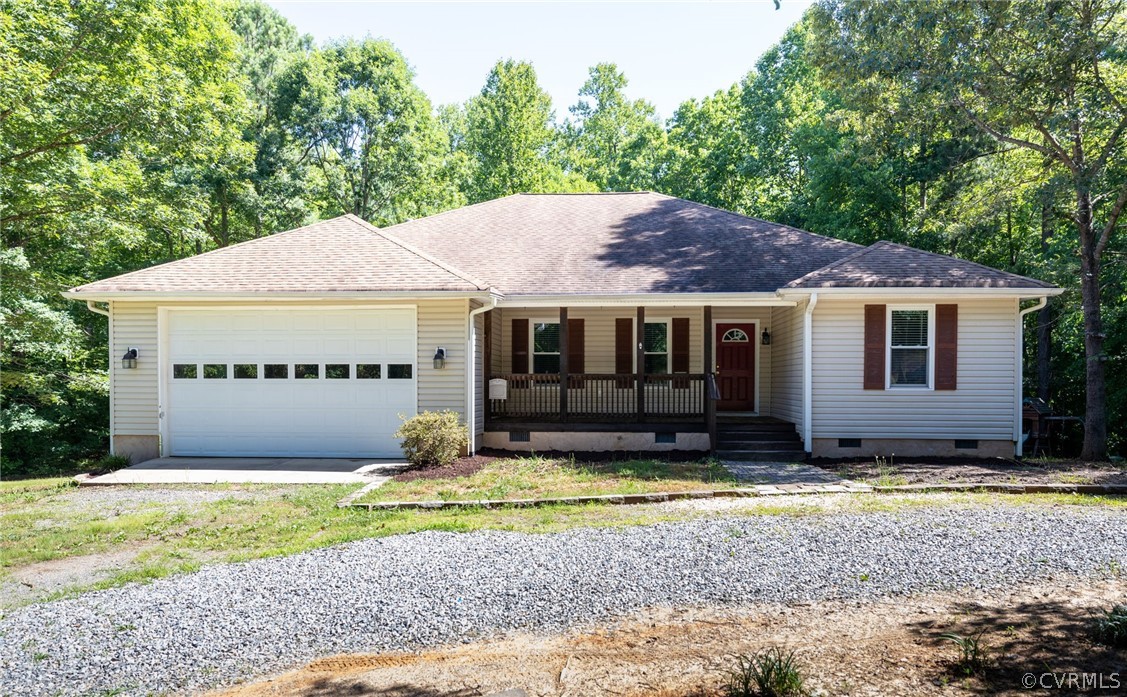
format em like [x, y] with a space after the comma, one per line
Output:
[643, 377]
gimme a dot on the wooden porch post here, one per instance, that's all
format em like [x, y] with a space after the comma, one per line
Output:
[640, 364]
[706, 360]
[563, 363]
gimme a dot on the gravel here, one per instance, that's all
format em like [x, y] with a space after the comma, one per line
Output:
[237, 621]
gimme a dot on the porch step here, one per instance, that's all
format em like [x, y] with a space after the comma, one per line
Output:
[730, 443]
[723, 427]
[762, 455]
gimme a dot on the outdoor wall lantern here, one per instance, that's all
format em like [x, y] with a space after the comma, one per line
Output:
[440, 358]
[129, 360]
[765, 337]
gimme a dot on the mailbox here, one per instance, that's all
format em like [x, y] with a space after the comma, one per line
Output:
[498, 389]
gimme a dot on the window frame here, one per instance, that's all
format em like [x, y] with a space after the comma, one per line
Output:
[533, 353]
[668, 353]
[930, 377]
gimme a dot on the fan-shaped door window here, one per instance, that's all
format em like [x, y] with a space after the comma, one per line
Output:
[734, 336]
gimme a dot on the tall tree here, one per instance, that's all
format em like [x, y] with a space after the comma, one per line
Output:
[1051, 79]
[511, 138]
[369, 129]
[615, 143]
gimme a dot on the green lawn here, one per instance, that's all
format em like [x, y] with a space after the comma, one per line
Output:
[138, 534]
[541, 477]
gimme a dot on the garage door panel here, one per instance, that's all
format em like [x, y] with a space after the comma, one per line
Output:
[289, 417]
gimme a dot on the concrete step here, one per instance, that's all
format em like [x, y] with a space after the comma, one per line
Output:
[741, 444]
[755, 428]
[762, 455]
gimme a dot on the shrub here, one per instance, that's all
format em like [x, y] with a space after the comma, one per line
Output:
[433, 438]
[1111, 627]
[772, 672]
[974, 654]
[110, 463]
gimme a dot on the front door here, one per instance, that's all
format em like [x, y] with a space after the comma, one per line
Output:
[735, 366]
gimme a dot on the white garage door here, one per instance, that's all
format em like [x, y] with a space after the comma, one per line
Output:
[299, 383]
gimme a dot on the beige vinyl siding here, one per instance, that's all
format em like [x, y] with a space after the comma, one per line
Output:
[981, 408]
[786, 369]
[134, 392]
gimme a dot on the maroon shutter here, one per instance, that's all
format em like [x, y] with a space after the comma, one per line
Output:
[576, 363]
[875, 338]
[520, 345]
[624, 350]
[679, 347]
[946, 346]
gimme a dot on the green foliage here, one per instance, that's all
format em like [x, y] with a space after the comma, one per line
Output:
[1111, 627]
[433, 438]
[974, 654]
[772, 672]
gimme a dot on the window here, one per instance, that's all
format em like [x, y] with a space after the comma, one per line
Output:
[655, 343]
[367, 371]
[734, 335]
[337, 371]
[184, 371]
[545, 347]
[399, 371]
[246, 371]
[909, 347]
[276, 371]
[214, 371]
[307, 371]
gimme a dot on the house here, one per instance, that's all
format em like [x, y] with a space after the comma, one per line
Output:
[585, 322]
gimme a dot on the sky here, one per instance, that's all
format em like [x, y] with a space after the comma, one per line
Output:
[669, 51]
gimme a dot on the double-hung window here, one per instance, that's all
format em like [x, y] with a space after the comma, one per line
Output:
[911, 341]
[655, 342]
[545, 347]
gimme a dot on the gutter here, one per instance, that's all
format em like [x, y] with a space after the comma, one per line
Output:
[1019, 349]
[471, 371]
[95, 309]
[808, 374]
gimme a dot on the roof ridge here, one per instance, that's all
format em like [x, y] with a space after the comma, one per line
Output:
[832, 265]
[472, 280]
[175, 262]
[758, 220]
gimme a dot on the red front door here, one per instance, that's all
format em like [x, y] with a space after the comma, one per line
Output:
[735, 366]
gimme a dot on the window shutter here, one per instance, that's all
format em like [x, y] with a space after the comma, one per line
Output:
[520, 345]
[680, 345]
[875, 339]
[576, 361]
[946, 346]
[624, 350]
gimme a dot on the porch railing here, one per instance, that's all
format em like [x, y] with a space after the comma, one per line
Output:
[602, 396]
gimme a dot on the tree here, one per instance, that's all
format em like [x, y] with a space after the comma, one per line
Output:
[510, 137]
[615, 143]
[359, 117]
[1050, 79]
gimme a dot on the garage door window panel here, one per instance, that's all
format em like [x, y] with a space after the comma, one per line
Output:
[276, 371]
[338, 371]
[368, 371]
[184, 371]
[399, 371]
[246, 371]
[215, 371]
[307, 371]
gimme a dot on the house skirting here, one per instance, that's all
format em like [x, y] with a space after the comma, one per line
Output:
[911, 447]
[594, 441]
[137, 448]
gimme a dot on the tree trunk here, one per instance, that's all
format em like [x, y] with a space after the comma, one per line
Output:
[1044, 319]
[1095, 417]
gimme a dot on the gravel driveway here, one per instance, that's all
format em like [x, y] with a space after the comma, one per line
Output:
[244, 620]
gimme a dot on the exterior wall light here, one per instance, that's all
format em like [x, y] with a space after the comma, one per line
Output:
[129, 360]
[765, 337]
[439, 358]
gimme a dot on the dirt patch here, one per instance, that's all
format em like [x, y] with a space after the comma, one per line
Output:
[37, 581]
[976, 471]
[846, 648]
[462, 467]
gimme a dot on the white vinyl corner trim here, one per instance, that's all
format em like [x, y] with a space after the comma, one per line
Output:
[1019, 354]
[808, 374]
[471, 370]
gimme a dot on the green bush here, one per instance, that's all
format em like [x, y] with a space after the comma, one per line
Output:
[772, 672]
[1111, 627]
[974, 654]
[433, 438]
[110, 463]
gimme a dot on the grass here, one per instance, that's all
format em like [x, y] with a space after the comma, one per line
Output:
[772, 672]
[50, 519]
[541, 477]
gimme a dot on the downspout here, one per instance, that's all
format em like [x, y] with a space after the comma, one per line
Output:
[471, 371]
[94, 308]
[808, 374]
[1019, 341]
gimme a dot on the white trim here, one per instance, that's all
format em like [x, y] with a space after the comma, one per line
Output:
[923, 292]
[1019, 369]
[532, 322]
[163, 408]
[808, 374]
[649, 300]
[225, 296]
[113, 361]
[471, 371]
[754, 342]
[889, 309]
